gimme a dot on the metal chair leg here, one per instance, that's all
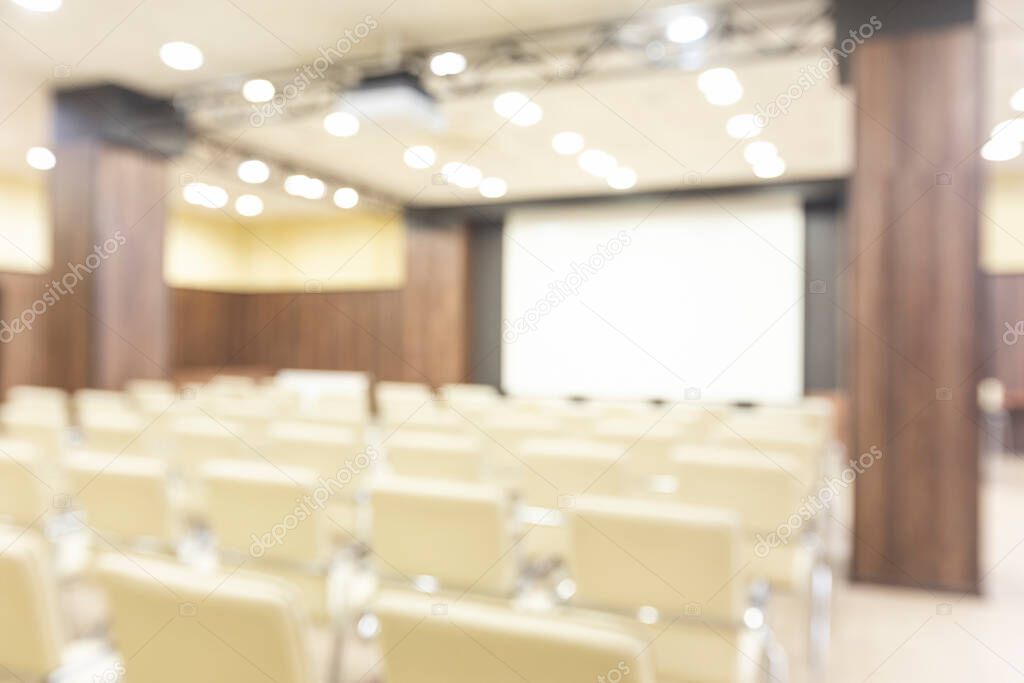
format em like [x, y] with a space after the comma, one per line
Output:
[819, 621]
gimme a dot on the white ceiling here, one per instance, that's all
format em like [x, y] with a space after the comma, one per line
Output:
[657, 123]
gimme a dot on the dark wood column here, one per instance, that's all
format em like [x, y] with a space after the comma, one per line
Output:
[912, 280]
[111, 318]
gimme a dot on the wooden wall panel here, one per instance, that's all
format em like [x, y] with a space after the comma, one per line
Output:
[914, 308]
[417, 333]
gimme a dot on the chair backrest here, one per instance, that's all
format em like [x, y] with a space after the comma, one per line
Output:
[28, 485]
[199, 438]
[42, 424]
[503, 433]
[763, 488]
[625, 554]
[396, 401]
[555, 470]
[173, 623]
[646, 442]
[30, 636]
[459, 533]
[27, 393]
[328, 451]
[764, 432]
[265, 511]
[467, 642]
[114, 430]
[472, 399]
[436, 455]
[125, 497]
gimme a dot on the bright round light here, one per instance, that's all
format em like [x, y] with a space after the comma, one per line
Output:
[345, 197]
[249, 205]
[40, 158]
[258, 90]
[1017, 101]
[253, 171]
[714, 79]
[507, 104]
[530, 114]
[567, 142]
[687, 29]
[420, 156]
[1012, 130]
[770, 168]
[492, 188]
[743, 126]
[759, 151]
[726, 94]
[39, 5]
[448, 64]
[303, 186]
[463, 175]
[1001, 149]
[597, 163]
[181, 56]
[341, 124]
[208, 196]
[622, 178]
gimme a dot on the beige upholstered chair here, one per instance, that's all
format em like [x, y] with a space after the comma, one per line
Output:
[470, 399]
[671, 565]
[397, 401]
[30, 634]
[29, 485]
[43, 424]
[427, 641]
[272, 518]
[436, 455]
[751, 430]
[198, 438]
[110, 429]
[39, 395]
[180, 624]
[125, 500]
[455, 533]
[503, 433]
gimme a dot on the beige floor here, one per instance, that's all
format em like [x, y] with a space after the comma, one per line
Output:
[887, 635]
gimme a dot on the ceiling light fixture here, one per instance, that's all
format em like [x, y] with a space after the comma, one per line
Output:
[448, 63]
[341, 124]
[493, 188]
[528, 115]
[39, 5]
[743, 126]
[253, 171]
[770, 168]
[597, 163]
[300, 185]
[249, 205]
[622, 178]
[721, 86]
[760, 151]
[687, 29]
[258, 90]
[1017, 100]
[420, 156]
[463, 175]
[345, 197]
[1001, 149]
[205, 195]
[181, 56]
[567, 142]
[508, 103]
[40, 158]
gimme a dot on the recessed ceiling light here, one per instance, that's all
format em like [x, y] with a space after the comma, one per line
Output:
[597, 163]
[249, 205]
[39, 5]
[622, 178]
[528, 115]
[1012, 129]
[253, 171]
[743, 126]
[720, 86]
[1017, 101]
[686, 29]
[463, 175]
[420, 156]
[508, 103]
[757, 152]
[181, 56]
[203, 194]
[770, 168]
[341, 124]
[300, 185]
[258, 90]
[40, 158]
[345, 197]
[492, 188]
[1001, 149]
[567, 142]
[448, 63]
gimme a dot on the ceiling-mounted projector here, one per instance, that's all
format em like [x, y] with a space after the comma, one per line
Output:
[397, 98]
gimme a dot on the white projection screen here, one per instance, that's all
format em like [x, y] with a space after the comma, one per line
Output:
[656, 299]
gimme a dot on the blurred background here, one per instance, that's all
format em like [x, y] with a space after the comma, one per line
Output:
[511, 340]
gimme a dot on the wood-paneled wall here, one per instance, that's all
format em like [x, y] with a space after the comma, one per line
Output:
[914, 308]
[416, 333]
